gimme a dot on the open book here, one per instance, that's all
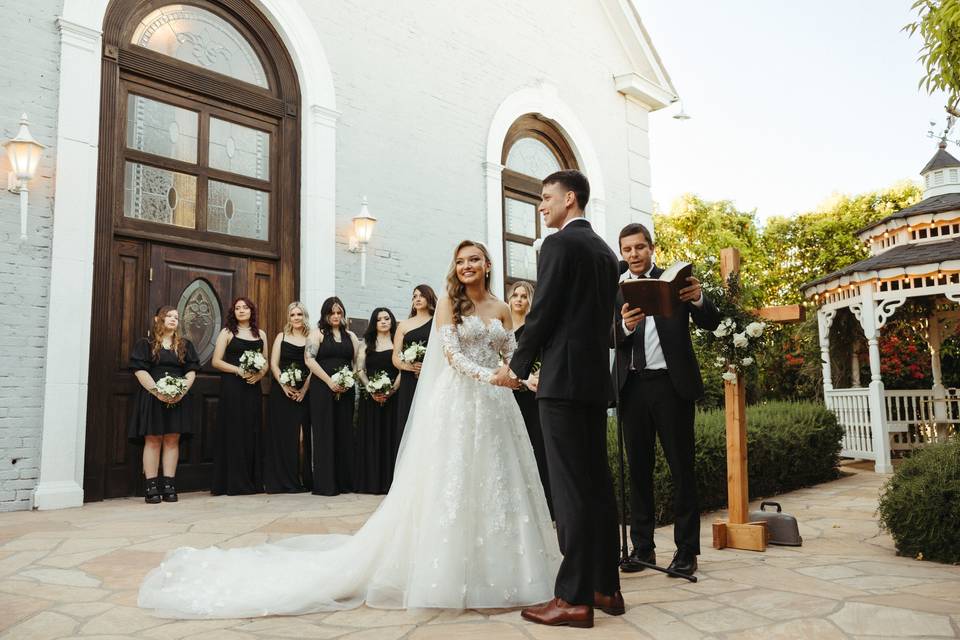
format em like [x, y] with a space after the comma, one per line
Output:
[658, 296]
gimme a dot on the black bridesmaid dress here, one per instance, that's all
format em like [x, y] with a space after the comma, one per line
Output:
[331, 421]
[284, 471]
[237, 466]
[152, 417]
[375, 428]
[408, 385]
[527, 401]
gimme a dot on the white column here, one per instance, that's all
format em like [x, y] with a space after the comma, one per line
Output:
[878, 414]
[824, 321]
[71, 270]
[318, 218]
[493, 174]
[855, 366]
[934, 341]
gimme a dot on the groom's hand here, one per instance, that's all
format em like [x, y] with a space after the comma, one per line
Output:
[502, 378]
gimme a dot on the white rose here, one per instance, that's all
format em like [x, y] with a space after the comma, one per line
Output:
[755, 329]
[740, 340]
[720, 331]
[730, 376]
[721, 361]
[747, 362]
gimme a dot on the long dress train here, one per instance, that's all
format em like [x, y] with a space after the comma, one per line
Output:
[465, 524]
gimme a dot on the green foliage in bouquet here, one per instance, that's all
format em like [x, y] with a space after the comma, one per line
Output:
[790, 445]
[920, 504]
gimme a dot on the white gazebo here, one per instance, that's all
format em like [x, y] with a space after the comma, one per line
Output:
[914, 253]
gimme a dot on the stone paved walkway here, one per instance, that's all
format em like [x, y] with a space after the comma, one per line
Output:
[76, 573]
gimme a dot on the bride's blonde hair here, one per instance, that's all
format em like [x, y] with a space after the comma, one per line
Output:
[456, 291]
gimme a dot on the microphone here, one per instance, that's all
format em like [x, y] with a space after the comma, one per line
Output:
[623, 266]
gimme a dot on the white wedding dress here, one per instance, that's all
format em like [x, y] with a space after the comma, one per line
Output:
[465, 524]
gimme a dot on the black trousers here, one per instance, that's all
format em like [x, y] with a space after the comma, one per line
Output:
[575, 440]
[651, 406]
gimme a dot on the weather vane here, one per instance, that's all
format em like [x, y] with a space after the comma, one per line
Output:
[951, 120]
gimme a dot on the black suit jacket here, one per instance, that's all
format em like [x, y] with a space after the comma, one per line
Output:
[570, 318]
[674, 333]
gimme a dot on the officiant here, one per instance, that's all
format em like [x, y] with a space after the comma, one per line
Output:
[660, 381]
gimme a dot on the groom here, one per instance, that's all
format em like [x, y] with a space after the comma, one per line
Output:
[570, 324]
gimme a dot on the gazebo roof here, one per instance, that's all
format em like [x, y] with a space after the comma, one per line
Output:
[940, 160]
[933, 204]
[899, 256]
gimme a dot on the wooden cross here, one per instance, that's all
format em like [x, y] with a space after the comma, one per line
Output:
[738, 532]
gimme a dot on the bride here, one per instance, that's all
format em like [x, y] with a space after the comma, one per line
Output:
[465, 524]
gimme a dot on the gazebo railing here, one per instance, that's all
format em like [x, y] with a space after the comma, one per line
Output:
[852, 407]
[914, 417]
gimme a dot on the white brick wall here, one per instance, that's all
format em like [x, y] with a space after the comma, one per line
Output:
[28, 82]
[417, 85]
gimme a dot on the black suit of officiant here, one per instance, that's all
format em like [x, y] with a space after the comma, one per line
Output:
[660, 400]
[570, 323]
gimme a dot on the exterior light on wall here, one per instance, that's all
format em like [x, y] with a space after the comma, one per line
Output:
[24, 154]
[681, 115]
[363, 224]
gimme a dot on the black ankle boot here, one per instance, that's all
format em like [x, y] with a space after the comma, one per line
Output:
[168, 489]
[151, 493]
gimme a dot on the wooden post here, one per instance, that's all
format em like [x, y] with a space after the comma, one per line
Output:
[736, 533]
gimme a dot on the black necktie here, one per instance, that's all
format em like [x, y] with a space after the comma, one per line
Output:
[639, 342]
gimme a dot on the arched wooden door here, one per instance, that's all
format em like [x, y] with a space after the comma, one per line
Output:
[197, 203]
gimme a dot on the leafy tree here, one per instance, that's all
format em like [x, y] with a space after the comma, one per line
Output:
[938, 22]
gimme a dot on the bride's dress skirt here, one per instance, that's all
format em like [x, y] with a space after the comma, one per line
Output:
[465, 525]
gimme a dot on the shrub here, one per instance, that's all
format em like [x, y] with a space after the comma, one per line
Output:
[920, 504]
[789, 445]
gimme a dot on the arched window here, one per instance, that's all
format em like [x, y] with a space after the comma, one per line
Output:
[534, 148]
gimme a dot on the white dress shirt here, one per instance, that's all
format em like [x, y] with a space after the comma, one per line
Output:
[651, 339]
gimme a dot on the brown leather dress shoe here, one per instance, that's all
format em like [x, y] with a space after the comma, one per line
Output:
[558, 612]
[610, 605]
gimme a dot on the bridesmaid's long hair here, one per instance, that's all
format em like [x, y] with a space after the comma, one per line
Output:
[179, 346]
[288, 327]
[427, 292]
[233, 325]
[462, 305]
[370, 335]
[326, 310]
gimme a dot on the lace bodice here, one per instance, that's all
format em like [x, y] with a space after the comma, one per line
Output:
[475, 348]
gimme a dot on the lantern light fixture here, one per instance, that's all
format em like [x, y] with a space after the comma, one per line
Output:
[363, 224]
[23, 153]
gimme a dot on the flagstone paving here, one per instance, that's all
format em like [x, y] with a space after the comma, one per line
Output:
[75, 573]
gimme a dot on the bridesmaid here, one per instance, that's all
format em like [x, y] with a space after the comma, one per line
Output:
[416, 328]
[520, 300]
[330, 347]
[283, 469]
[378, 413]
[236, 446]
[159, 421]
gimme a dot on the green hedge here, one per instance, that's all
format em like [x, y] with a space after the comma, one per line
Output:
[920, 504]
[789, 445]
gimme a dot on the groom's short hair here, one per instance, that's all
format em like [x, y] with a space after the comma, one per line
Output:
[571, 180]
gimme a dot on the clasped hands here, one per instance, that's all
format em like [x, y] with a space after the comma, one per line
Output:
[502, 378]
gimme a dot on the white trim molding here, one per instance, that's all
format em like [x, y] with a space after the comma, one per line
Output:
[64, 423]
[544, 100]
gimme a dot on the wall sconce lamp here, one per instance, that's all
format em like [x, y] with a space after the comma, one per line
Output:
[24, 154]
[363, 224]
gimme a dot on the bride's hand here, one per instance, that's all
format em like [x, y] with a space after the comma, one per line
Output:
[532, 383]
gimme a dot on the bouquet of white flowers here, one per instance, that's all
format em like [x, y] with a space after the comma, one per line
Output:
[413, 353]
[172, 387]
[291, 375]
[379, 383]
[738, 347]
[252, 361]
[343, 377]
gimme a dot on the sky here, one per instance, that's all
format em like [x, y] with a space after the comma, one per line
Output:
[790, 101]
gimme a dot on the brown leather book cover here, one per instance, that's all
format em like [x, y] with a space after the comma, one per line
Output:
[658, 296]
